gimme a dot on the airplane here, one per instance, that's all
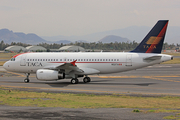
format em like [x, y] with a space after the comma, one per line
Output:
[62, 65]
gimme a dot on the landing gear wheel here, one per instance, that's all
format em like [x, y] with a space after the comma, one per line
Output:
[74, 81]
[26, 80]
[87, 79]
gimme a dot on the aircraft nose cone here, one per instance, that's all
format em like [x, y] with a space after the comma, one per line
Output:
[5, 65]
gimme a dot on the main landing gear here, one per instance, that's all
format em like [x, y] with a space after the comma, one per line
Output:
[87, 79]
[76, 81]
[26, 80]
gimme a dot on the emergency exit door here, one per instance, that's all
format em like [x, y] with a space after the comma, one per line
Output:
[23, 60]
[128, 60]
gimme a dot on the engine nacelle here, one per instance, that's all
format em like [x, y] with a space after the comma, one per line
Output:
[45, 74]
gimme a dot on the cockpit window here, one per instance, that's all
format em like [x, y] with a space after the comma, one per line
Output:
[12, 59]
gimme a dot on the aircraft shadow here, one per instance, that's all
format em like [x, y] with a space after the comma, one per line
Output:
[64, 84]
[98, 82]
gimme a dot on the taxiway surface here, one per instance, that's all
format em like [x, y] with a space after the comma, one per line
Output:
[159, 79]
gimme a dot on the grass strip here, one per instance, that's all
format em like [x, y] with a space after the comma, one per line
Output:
[174, 54]
[7, 55]
[174, 61]
[2, 62]
[65, 100]
[172, 117]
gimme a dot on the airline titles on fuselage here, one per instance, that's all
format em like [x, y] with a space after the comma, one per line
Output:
[34, 64]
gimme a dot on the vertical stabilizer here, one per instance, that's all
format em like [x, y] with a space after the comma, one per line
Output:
[153, 41]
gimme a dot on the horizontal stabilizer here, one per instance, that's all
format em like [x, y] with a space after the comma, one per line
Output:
[152, 58]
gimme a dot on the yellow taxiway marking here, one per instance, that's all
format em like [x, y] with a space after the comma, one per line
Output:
[168, 76]
[16, 74]
[160, 78]
[132, 76]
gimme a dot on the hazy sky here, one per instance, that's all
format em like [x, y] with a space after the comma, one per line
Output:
[81, 17]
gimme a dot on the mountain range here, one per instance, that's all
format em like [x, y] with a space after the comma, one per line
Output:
[113, 39]
[9, 36]
[133, 33]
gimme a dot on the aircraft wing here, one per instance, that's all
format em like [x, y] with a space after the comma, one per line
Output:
[65, 67]
[152, 58]
[69, 67]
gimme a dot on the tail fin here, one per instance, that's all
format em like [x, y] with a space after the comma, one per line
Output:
[153, 41]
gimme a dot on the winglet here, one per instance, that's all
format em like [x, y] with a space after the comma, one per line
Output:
[73, 63]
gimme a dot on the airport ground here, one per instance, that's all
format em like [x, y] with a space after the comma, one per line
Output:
[152, 81]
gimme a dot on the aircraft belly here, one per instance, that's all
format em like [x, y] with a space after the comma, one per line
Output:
[105, 67]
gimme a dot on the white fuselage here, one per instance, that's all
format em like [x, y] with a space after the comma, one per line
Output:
[104, 62]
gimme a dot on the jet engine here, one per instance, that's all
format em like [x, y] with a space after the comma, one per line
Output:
[46, 74]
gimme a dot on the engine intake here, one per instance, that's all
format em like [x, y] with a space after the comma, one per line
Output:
[48, 75]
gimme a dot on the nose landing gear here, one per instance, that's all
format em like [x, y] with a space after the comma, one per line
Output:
[26, 80]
